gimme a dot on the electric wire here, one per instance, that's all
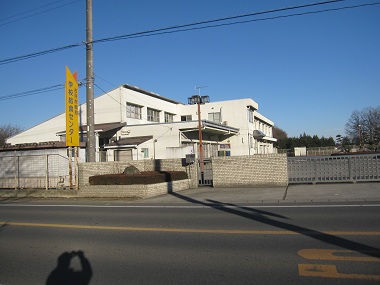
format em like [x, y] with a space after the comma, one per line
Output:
[115, 86]
[216, 20]
[31, 10]
[245, 21]
[33, 92]
[31, 55]
[35, 14]
[186, 27]
[167, 30]
[125, 107]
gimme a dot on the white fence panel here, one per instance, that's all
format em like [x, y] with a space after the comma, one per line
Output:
[34, 171]
[326, 169]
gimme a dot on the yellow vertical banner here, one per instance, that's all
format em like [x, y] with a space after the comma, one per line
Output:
[71, 99]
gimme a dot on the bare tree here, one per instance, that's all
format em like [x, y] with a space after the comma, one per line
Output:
[279, 133]
[7, 131]
[363, 127]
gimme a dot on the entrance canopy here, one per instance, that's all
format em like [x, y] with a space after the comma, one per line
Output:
[210, 131]
[105, 131]
[128, 142]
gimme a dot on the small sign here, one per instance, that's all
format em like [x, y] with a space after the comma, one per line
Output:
[225, 146]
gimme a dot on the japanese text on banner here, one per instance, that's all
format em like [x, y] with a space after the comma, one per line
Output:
[71, 99]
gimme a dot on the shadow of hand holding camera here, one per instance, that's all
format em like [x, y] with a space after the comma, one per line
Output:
[64, 274]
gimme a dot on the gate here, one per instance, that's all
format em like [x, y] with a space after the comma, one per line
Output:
[328, 169]
[205, 177]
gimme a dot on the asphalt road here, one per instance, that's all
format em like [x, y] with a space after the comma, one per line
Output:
[129, 243]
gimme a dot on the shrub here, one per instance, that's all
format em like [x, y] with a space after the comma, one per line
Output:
[146, 177]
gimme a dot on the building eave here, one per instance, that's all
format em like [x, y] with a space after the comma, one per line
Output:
[151, 94]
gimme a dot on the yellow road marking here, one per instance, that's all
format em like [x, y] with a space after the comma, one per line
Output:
[173, 230]
[331, 254]
[330, 271]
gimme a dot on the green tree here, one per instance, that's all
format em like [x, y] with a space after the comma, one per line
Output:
[305, 140]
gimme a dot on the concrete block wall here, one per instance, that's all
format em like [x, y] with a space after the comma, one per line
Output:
[132, 191]
[259, 170]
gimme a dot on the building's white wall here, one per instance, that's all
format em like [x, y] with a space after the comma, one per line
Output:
[164, 136]
[107, 108]
[263, 124]
[146, 101]
[43, 132]
[234, 113]
[111, 107]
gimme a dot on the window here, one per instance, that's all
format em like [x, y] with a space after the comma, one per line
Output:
[168, 117]
[133, 111]
[153, 115]
[145, 152]
[215, 117]
[251, 141]
[186, 118]
[250, 116]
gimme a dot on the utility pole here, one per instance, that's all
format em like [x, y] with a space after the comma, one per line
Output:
[90, 148]
[198, 99]
[201, 156]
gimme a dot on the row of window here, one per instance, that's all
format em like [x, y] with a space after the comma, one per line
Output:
[153, 115]
[135, 112]
[266, 129]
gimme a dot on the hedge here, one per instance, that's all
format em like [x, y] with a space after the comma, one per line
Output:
[146, 177]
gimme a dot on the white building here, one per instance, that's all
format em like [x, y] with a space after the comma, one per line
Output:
[134, 124]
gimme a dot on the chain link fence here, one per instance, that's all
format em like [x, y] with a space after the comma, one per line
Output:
[47, 171]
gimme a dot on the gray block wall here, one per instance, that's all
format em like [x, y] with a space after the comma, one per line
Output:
[260, 170]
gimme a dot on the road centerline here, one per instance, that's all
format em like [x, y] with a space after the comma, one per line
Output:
[184, 230]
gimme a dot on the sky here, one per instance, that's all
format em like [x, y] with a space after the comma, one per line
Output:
[307, 73]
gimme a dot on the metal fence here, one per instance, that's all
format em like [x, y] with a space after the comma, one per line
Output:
[327, 169]
[35, 171]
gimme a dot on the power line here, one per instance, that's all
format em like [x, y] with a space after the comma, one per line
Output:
[31, 55]
[217, 20]
[166, 31]
[26, 12]
[124, 106]
[162, 30]
[33, 92]
[187, 27]
[35, 14]
[242, 22]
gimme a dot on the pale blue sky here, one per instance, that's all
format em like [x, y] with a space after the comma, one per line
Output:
[307, 73]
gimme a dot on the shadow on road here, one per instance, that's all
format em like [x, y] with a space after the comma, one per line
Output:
[264, 218]
[3, 226]
[63, 274]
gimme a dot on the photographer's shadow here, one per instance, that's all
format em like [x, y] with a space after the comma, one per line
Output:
[63, 274]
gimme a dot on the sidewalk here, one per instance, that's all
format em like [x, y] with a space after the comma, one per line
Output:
[295, 193]
[300, 193]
